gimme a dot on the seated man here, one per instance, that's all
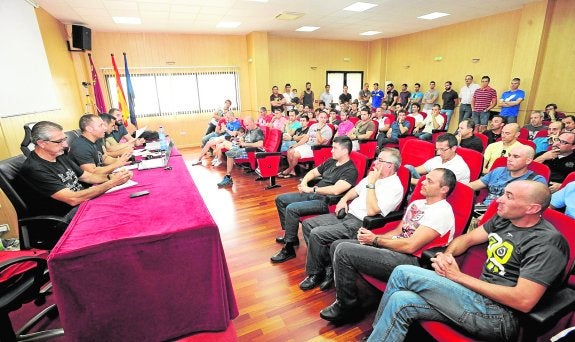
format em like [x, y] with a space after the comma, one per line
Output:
[338, 174]
[363, 129]
[217, 116]
[383, 122]
[254, 137]
[560, 159]
[466, 138]
[535, 124]
[517, 169]
[88, 151]
[299, 134]
[526, 255]
[227, 128]
[319, 134]
[424, 220]
[493, 134]
[544, 143]
[227, 145]
[565, 199]
[551, 114]
[320, 231]
[345, 126]
[398, 128]
[416, 114]
[291, 126]
[446, 157]
[509, 134]
[50, 181]
[120, 140]
[278, 121]
[424, 130]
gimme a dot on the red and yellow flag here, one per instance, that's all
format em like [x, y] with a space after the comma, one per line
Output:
[122, 104]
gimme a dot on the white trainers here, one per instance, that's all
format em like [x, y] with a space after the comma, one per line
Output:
[216, 163]
[196, 162]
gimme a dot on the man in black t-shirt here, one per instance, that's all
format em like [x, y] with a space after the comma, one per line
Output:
[338, 174]
[560, 159]
[49, 181]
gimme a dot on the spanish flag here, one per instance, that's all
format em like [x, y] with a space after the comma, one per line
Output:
[122, 104]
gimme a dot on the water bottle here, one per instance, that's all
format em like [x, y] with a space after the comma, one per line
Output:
[163, 141]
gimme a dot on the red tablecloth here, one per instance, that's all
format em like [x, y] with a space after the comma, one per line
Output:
[150, 268]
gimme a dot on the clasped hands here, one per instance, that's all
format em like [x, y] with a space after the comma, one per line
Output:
[445, 265]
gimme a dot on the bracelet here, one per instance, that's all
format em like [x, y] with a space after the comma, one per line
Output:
[374, 243]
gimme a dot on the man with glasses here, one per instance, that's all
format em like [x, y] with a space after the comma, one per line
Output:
[511, 100]
[50, 182]
[88, 151]
[465, 97]
[509, 135]
[446, 157]
[551, 114]
[378, 193]
[560, 159]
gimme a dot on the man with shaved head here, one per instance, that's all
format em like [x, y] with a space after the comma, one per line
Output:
[509, 135]
[496, 180]
[525, 256]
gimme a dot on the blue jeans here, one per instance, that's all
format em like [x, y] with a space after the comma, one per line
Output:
[286, 145]
[480, 118]
[423, 136]
[511, 119]
[464, 111]
[414, 294]
[413, 171]
[293, 205]
[448, 113]
[208, 137]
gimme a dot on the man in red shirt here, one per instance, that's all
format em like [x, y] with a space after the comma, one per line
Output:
[484, 99]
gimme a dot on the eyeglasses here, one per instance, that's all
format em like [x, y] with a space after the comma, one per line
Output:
[563, 142]
[59, 141]
[384, 161]
[442, 149]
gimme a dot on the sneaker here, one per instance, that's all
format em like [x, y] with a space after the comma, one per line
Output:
[216, 162]
[196, 162]
[227, 181]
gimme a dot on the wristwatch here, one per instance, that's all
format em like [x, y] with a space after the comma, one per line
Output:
[370, 186]
[314, 188]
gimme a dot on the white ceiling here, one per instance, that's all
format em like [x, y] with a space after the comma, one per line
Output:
[391, 17]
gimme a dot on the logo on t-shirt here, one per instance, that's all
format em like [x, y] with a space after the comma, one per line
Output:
[499, 252]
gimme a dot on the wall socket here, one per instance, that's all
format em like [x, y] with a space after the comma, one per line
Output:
[4, 227]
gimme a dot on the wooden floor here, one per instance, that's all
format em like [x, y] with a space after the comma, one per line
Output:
[272, 307]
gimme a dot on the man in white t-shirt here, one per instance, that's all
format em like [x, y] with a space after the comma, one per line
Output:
[288, 97]
[424, 221]
[378, 193]
[446, 157]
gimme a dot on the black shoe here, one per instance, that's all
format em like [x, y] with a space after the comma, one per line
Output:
[311, 281]
[284, 254]
[337, 313]
[327, 283]
[282, 240]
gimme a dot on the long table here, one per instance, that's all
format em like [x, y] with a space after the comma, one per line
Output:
[150, 268]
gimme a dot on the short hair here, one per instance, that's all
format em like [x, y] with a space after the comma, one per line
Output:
[469, 76]
[404, 85]
[287, 85]
[516, 79]
[437, 105]
[486, 78]
[450, 138]
[536, 112]
[41, 130]
[364, 109]
[306, 83]
[274, 87]
[305, 117]
[107, 118]
[448, 179]
[264, 109]
[376, 84]
[503, 119]
[449, 82]
[112, 110]
[431, 82]
[395, 156]
[569, 117]
[470, 123]
[417, 105]
[417, 84]
[538, 193]
[241, 130]
[561, 124]
[345, 142]
[327, 85]
[554, 105]
[401, 111]
[390, 84]
[321, 103]
[85, 120]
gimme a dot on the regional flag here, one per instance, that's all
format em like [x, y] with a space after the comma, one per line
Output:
[100, 103]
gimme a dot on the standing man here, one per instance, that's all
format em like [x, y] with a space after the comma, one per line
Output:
[466, 138]
[277, 100]
[289, 97]
[326, 97]
[404, 96]
[376, 97]
[377, 255]
[345, 97]
[511, 100]
[430, 98]
[379, 193]
[466, 96]
[364, 96]
[484, 99]
[338, 174]
[526, 256]
[450, 101]
[307, 97]
[392, 97]
[416, 97]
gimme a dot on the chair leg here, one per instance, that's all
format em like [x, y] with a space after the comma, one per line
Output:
[260, 178]
[272, 183]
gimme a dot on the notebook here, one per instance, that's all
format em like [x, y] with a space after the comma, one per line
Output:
[140, 131]
[156, 162]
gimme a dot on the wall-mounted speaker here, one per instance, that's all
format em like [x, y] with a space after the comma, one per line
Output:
[81, 37]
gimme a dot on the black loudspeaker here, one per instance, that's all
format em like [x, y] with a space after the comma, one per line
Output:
[81, 37]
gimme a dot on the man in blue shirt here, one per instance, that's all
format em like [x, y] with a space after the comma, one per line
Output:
[511, 100]
[376, 97]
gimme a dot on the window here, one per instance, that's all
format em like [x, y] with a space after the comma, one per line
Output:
[171, 91]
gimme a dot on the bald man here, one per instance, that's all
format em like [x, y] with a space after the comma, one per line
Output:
[509, 135]
[526, 255]
[516, 169]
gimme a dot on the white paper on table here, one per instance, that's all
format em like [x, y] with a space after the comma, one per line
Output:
[138, 153]
[128, 184]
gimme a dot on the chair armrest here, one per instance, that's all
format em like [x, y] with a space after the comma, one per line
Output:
[260, 155]
[319, 147]
[50, 219]
[377, 221]
[6, 263]
[363, 141]
[254, 149]
[425, 259]
[553, 306]
[438, 130]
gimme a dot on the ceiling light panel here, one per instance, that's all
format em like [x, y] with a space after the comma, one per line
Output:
[359, 7]
[369, 33]
[307, 28]
[433, 15]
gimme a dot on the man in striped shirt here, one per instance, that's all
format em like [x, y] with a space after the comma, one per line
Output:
[484, 99]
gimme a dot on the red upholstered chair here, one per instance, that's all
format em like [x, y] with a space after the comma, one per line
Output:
[524, 133]
[473, 159]
[441, 130]
[406, 136]
[353, 119]
[415, 152]
[484, 139]
[542, 319]
[320, 152]
[527, 142]
[272, 143]
[570, 178]
[461, 200]
[542, 134]
[534, 166]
